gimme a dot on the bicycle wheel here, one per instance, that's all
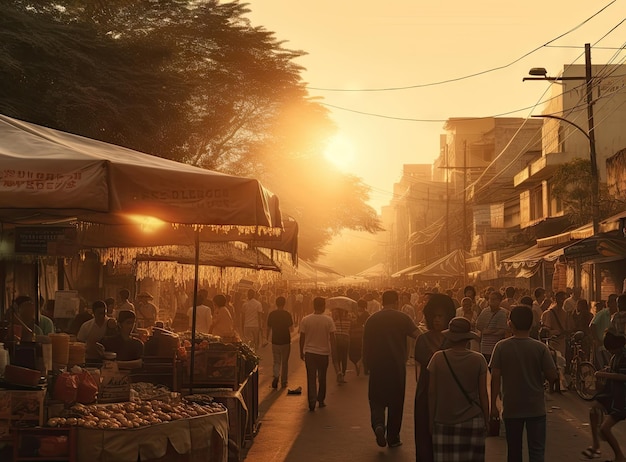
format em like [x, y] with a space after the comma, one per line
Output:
[586, 381]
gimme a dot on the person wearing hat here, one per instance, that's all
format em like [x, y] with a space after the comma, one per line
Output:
[611, 401]
[458, 401]
[145, 310]
[520, 365]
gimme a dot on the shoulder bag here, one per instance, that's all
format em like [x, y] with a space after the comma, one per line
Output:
[456, 379]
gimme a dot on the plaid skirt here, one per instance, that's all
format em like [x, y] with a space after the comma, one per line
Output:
[460, 442]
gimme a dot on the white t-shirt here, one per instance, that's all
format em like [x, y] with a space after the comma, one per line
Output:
[92, 331]
[316, 329]
[204, 318]
[251, 309]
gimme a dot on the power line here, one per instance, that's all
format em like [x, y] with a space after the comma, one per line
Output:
[476, 74]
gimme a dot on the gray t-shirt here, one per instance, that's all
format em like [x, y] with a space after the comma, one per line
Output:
[523, 363]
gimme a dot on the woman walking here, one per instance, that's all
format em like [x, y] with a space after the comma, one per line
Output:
[438, 312]
[458, 402]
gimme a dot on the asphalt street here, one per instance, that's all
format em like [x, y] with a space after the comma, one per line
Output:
[289, 432]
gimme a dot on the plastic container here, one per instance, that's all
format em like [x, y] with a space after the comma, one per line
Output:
[76, 354]
[60, 348]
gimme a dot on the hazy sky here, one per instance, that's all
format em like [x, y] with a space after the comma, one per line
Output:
[367, 44]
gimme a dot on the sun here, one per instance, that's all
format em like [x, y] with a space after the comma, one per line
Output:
[340, 151]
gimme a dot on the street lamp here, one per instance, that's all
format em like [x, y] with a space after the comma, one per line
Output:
[540, 73]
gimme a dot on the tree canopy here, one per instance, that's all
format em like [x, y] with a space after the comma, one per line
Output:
[572, 185]
[192, 81]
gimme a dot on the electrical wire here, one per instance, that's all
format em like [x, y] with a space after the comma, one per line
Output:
[521, 153]
[476, 74]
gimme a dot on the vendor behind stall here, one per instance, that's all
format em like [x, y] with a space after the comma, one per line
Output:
[94, 330]
[24, 307]
[129, 350]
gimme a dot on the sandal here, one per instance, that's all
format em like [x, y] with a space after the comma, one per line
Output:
[591, 453]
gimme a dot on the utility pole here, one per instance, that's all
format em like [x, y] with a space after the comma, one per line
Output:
[595, 182]
[447, 203]
[540, 73]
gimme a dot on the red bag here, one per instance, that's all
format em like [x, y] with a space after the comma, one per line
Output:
[66, 388]
[87, 388]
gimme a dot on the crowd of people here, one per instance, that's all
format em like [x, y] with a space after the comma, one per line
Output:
[460, 341]
[463, 343]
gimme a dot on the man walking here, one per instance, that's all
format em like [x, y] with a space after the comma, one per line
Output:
[252, 313]
[280, 324]
[521, 365]
[491, 324]
[384, 355]
[317, 340]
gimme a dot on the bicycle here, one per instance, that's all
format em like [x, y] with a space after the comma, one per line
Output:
[544, 336]
[581, 372]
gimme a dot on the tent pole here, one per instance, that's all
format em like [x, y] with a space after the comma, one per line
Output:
[193, 313]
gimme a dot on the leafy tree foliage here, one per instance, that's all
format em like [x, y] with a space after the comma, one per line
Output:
[572, 184]
[192, 81]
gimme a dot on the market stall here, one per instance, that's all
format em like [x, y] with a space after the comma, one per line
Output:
[56, 177]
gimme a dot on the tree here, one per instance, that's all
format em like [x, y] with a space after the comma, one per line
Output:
[190, 81]
[571, 184]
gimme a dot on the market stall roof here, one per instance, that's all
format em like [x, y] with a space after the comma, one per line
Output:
[132, 236]
[449, 266]
[307, 271]
[377, 271]
[48, 175]
[534, 255]
[350, 281]
[407, 271]
[221, 255]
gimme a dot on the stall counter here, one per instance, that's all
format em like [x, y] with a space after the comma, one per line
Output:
[197, 438]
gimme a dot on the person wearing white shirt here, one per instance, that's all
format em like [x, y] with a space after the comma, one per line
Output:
[252, 312]
[94, 330]
[204, 316]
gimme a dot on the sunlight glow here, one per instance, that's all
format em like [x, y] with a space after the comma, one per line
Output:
[147, 224]
[340, 151]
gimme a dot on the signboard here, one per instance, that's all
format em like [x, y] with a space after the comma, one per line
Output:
[66, 303]
[43, 240]
[586, 248]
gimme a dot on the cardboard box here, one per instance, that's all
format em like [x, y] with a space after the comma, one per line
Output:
[115, 384]
[21, 408]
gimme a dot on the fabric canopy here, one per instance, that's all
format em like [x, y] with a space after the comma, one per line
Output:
[376, 271]
[450, 266]
[221, 255]
[101, 236]
[48, 175]
[534, 255]
[407, 271]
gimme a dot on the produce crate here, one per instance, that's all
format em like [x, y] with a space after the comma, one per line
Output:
[19, 409]
[160, 371]
[214, 369]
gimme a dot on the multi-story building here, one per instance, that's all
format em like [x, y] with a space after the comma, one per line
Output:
[564, 141]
